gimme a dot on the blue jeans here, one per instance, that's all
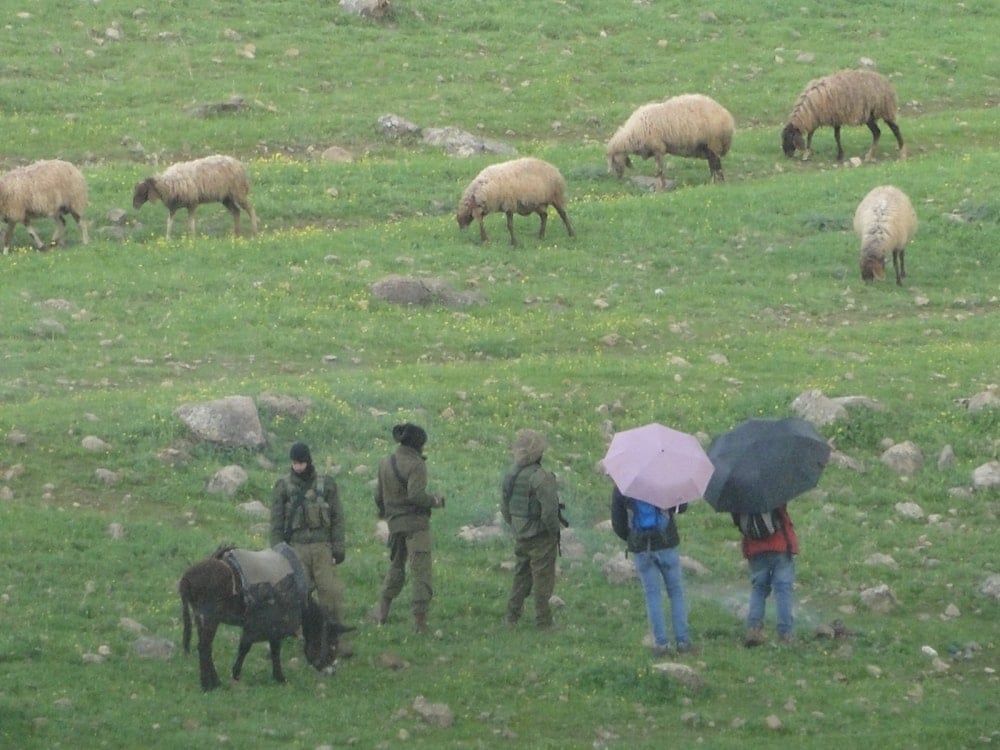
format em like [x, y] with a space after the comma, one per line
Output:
[771, 570]
[651, 567]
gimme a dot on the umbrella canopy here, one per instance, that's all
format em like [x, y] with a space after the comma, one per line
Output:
[662, 466]
[763, 463]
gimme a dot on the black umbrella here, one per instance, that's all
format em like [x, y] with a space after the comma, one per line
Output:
[763, 463]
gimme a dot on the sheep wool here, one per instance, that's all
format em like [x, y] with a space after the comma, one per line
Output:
[849, 97]
[213, 179]
[689, 125]
[886, 222]
[523, 186]
[46, 189]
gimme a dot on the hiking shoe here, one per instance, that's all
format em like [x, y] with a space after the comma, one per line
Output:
[755, 637]
[786, 639]
[685, 647]
[660, 651]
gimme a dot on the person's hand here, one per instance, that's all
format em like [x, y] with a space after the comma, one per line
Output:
[338, 557]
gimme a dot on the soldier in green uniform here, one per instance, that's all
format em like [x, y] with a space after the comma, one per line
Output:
[403, 501]
[530, 506]
[306, 513]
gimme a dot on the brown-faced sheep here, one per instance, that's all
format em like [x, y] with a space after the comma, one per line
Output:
[886, 222]
[50, 188]
[850, 97]
[525, 186]
[213, 179]
[691, 125]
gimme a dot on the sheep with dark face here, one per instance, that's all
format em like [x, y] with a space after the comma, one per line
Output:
[523, 186]
[46, 189]
[213, 179]
[690, 125]
[885, 221]
[850, 97]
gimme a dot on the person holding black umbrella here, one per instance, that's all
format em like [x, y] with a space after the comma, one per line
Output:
[770, 546]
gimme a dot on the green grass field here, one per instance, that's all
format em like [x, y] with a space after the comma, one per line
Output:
[761, 300]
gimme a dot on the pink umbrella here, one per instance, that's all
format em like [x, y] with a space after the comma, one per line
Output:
[662, 466]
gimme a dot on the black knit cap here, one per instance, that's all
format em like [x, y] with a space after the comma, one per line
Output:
[409, 435]
[300, 454]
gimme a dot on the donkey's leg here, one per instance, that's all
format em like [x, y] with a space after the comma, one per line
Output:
[241, 654]
[279, 676]
[206, 665]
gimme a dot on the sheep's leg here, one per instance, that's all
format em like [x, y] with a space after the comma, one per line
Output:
[206, 665]
[39, 245]
[809, 143]
[279, 676]
[510, 227]
[840, 146]
[248, 207]
[899, 137]
[565, 218]
[191, 210]
[235, 211]
[899, 266]
[714, 164]
[8, 236]
[659, 171]
[544, 214]
[82, 224]
[876, 134]
[170, 221]
[60, 232]
[482, 230]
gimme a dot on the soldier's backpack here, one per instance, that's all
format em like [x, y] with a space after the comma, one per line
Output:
[758, 525]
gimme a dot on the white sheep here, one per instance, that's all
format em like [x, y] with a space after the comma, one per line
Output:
[886, 222]
[525, 186]
[213, 179]
[50, 188]
[849, 97]
[691, 125]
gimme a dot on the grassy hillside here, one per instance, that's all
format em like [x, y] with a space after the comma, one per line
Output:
[760, 299]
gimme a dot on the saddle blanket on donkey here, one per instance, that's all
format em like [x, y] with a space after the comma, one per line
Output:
[275, 589]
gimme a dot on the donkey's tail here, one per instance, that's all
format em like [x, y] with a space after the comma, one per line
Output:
[185, 593]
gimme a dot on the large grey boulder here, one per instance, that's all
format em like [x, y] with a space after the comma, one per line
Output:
[232, 422]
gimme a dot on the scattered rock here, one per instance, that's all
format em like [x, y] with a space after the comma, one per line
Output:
[389, 660]
[148, 647]
[93, 443]
[909, 510]
[457, 142]
[619, 569]
[682, 674]
[116, 531]
[410, 291]
[946, 458]
[16, 438]
[234, 104]
[294, 407]
[903, 458]
[227, 480]
[378, 9]
[435, 714]
[879, 599]
[879, 559]
[395, 126]
[254, 509]
[986, 476]
[107, 476]
[991, 587]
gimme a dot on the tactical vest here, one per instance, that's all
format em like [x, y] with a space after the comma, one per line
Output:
[520, 502]
[307, 510]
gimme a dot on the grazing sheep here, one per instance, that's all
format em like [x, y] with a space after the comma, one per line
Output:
[691, 125]
[885, 221]
[850, 97]
[525, 186]
[51, 188]
[214, 179]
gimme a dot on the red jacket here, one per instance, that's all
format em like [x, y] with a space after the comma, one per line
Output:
[782, 540]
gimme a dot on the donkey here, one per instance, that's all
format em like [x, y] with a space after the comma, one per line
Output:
[228, 589]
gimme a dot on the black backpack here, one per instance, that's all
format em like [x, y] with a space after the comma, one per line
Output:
[758, 525]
